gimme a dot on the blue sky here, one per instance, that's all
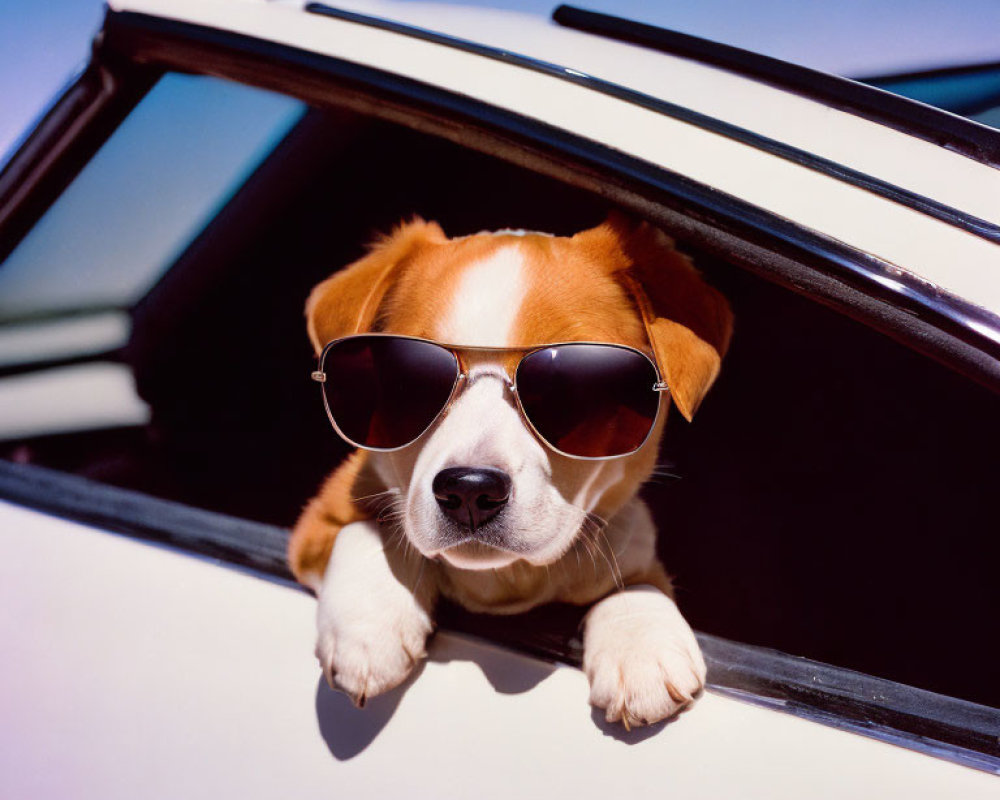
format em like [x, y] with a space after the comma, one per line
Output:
[41, 45]
[42, 42]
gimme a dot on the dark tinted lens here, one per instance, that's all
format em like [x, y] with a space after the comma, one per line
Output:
[589, 400]
[384, 391]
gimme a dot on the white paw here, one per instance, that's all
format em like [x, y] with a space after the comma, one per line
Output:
[641, 657]
[365, 657]
[371, 630]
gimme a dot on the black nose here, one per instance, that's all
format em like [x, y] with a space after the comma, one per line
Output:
[471, 495]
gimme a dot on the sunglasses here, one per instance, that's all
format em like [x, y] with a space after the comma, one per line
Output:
[582, 399]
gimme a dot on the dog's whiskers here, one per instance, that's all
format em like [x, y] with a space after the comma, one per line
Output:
[395, 540]
[597, 519]
[390, 516]
[590, 551]
[420, 574]
[373, 495]
[588, 546]
[616, 570]
[594, 537]
[391, 506]
[661, 471]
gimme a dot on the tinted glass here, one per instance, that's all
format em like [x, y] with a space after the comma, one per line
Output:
[973, 92]
[589, 400]
[68, 288]
[384, 391]
[164, 174]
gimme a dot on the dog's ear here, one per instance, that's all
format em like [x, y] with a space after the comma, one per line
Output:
[689, 323]
[348, 302]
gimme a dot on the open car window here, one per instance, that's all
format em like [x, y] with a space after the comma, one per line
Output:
[150, 190]
[832, 475]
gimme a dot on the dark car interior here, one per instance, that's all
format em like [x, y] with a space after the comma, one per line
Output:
[834, 498]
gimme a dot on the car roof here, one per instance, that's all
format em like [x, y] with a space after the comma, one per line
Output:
[852, 38]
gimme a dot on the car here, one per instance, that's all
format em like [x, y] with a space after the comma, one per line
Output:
[833, 530]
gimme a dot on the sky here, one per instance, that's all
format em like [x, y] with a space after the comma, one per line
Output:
[43, 42]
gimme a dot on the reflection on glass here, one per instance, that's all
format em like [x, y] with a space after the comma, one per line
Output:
[159, 179]
[67, 288]
[972, 92]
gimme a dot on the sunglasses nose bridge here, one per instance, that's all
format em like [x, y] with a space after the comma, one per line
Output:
[474, 363]
[467, 377]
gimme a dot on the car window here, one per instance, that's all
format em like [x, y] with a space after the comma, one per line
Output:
[972, 92]
[818, 478]
[147, 193]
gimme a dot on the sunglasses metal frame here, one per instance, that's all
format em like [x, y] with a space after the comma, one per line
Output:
[462, 374]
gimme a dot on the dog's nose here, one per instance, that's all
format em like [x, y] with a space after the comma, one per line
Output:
[471, 495]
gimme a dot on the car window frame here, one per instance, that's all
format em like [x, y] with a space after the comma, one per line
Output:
[134, 50]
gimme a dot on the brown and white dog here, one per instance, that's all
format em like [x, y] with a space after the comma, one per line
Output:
[620, 283]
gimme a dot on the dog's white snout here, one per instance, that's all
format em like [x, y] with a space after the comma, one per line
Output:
[478, 473]
[482, 428]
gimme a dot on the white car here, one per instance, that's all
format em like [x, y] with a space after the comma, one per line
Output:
[159, 232]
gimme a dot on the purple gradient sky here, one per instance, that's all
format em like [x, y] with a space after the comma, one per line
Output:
[42, 42]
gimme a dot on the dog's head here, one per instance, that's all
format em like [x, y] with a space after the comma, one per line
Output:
[620, 283]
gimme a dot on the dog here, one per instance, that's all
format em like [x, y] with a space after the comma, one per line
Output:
[393, 529]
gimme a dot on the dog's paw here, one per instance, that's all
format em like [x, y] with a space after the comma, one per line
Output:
[641, 657]
[365, 656]
[371, 629]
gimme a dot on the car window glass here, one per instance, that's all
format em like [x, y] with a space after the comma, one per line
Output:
[969, 92]
[152, 187]
[991, 116]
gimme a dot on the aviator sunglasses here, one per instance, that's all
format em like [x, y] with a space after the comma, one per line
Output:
[582, 399]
